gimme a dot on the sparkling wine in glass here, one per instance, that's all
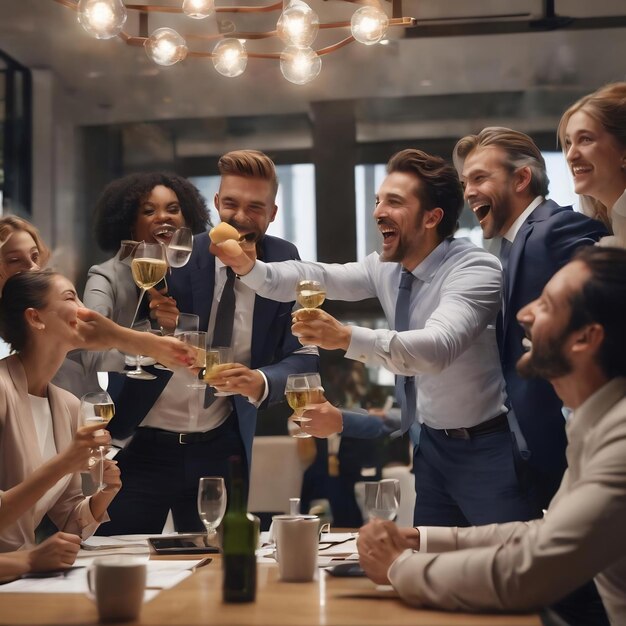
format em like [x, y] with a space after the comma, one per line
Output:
[179, 248]
[211, 503]
[97, 408]
[310, 294]
[382, 499]
[148, 268]
[301, 391]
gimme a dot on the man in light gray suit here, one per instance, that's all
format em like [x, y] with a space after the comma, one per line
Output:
[578, 340]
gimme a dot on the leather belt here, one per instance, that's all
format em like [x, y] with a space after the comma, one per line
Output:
[159, 435]
[494, 425]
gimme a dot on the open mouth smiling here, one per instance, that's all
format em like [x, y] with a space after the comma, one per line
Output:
[164, 233]
[481, 211]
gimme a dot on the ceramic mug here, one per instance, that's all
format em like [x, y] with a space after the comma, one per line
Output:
[297, 544]
[117, 584]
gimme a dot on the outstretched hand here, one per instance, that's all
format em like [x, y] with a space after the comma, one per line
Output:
[240, 379]
[240, 263]
[325, 420]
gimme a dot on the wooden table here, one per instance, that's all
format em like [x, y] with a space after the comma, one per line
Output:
[198, 600]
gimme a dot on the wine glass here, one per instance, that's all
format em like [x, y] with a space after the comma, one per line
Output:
[211, 502]
[196, 339]
[185, 322]
[310, 294]
[148, 268]
[139, 372]
[301, 391]
[382, 499]
[179, 249]
[97, 408]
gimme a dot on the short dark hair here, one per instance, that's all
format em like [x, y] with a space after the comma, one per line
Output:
[22, 291]
[520, 150]
[116, 209]
[439, 185]
[250, 164]
[602, 300]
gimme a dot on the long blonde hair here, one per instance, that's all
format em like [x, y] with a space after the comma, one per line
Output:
[607, 106]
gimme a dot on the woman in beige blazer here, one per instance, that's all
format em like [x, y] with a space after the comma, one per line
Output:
[38, 317]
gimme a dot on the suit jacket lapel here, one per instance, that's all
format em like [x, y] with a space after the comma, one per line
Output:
[542, 212]
[26, 421]
[264, 311]
[202, 278]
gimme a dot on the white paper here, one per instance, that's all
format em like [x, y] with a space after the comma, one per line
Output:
[161, 575]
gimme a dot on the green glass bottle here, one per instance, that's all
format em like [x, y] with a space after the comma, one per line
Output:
[239, 541]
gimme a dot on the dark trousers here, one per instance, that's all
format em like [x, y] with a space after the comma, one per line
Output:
[469, 482]
[159, 474]
[484, 480]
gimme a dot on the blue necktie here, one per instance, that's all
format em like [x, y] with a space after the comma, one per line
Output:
[406, 393]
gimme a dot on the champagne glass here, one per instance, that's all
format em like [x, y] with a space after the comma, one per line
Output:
[301, 391]
[211, 503]
[179, 248]
[218, 358]
[196, 339]
[185, 322]
[148, 268]
[97, 408]
[139, 372]
[310, 294]
[382, 499]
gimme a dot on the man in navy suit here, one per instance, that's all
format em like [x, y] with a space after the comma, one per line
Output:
[185, 433]
[505, 182]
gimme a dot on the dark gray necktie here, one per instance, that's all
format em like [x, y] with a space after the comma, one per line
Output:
[225, 316]
[505, 253]
[224, 319]
[406, 393]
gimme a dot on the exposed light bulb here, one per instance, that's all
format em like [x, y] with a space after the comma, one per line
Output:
[198, 9]
[369, 25]
[165, 46]
[300, 65]
[298, 25]
[230, 57]
[102, 19]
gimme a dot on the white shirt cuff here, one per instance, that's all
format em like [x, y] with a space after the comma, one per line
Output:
[423, 538]
[266, 388]
[403, 557]
[255, 278]
[362, 344]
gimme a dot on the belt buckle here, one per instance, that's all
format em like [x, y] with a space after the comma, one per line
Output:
[180, 438]
[457, 433]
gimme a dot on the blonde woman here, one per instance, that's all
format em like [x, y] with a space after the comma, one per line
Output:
[592, 133]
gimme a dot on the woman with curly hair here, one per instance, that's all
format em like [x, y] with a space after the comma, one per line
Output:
[592, 133]
[146, 206]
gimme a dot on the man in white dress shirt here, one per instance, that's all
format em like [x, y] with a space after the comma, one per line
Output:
[442, 349]
[578, 342]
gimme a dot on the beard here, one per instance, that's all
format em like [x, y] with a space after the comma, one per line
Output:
[547, 361]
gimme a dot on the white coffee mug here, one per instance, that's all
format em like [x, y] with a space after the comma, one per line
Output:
[297, 544]
[117, 584]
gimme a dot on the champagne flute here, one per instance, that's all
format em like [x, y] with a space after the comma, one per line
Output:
[218, 358]
[301, 391]
[179, 249]
[97, 408]
[310, 294]
[148, 268]
[382, 499]
[139, 372]
[211, 503]
[185, 322]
